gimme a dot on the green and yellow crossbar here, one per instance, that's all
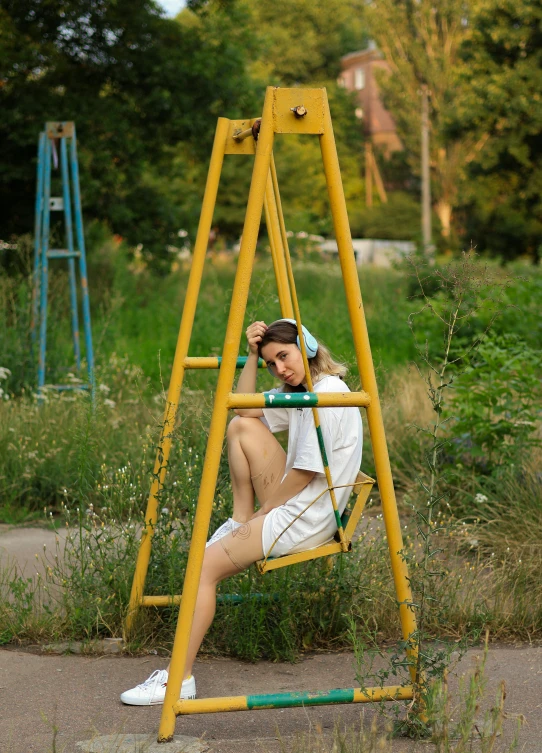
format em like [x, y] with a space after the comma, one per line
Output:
[290, 700]
[175, 600]
[298, 400]
[215, 362]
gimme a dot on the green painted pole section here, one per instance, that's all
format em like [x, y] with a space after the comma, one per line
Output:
[241, 361]
[291, 399]
[322, 446]
[289, 700]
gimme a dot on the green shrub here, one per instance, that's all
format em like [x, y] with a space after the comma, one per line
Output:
[494, 414]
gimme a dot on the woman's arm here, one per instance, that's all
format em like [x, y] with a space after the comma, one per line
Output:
[247, 378]
[294, 482]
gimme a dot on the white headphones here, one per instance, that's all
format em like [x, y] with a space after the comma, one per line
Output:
[311, 343]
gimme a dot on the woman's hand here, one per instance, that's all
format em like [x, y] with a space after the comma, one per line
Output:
[247, 378]
[255, 332]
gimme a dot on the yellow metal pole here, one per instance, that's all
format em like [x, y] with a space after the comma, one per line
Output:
[177, 374]
[277, 251]
[282, 226]
[218, 419]
[280, 213]
[214, 362]
[368, 378]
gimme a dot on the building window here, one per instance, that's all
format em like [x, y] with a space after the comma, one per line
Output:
[359, 79]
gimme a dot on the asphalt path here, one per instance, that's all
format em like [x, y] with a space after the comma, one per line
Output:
[54, 703]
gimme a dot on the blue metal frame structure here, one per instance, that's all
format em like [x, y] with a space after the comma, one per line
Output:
[64, 134]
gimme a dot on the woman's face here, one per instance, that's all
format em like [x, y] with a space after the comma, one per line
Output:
[285, 361]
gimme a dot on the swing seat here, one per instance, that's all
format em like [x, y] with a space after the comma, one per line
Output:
[350, 519]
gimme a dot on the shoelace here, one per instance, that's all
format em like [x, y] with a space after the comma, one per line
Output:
[153, 679]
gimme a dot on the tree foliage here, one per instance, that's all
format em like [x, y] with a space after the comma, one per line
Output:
[132, 81]
[501, 103]
[302, 41]
[481, 61]
[286, 46]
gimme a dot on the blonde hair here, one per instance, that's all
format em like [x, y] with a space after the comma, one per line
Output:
[323, 363]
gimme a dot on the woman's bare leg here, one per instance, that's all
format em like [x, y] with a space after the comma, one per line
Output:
[245, 546]
[250, 448]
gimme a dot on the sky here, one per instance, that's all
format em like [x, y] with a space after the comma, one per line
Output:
[172, 7]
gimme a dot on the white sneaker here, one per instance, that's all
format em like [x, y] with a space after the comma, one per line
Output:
[227, 527]
[153, 691]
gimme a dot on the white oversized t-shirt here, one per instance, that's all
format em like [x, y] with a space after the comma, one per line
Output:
[343, 438]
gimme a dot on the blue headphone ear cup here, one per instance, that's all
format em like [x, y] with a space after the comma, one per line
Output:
[311, 343]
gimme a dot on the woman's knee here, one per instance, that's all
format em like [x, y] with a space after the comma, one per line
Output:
[241, 425]
[216, 566]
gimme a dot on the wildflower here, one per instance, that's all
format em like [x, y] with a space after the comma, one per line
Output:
[104, 388]
[480, 499]
[110, 403]
[4, 373]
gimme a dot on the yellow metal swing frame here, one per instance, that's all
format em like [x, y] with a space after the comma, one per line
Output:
[285, 111]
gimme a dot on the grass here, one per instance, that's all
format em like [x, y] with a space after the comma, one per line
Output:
[485, 585]
[90, 470]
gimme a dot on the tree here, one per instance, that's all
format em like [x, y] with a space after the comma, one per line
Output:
[421, 41]
[133, 81]
[501, 102]
[302, 41]
[297, 41]
[285, 45]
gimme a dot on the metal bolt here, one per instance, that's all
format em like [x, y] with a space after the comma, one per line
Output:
[256, 129]
[299, 111]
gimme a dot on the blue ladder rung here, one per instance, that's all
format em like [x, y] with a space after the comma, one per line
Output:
[61, 387]
[62, 253]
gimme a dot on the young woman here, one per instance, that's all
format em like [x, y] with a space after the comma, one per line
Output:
[284, 483]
